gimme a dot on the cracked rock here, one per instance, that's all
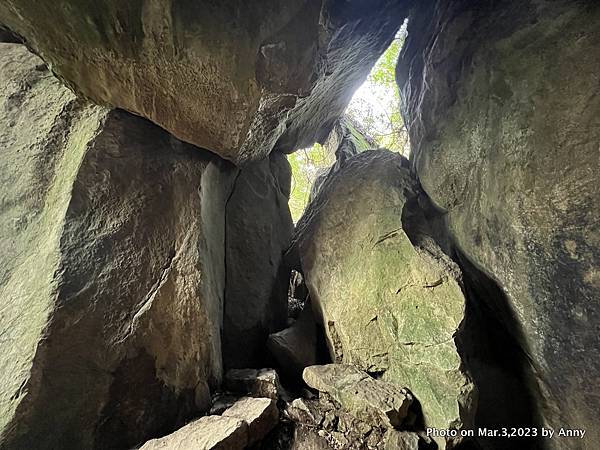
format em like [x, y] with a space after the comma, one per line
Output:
[261, 415]
[365, 231]
[253, 382]
[221, 402]
[373, 401]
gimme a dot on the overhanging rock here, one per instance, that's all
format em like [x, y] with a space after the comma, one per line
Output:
[233, 76]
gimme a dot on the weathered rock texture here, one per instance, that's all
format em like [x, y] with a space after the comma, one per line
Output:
[296, 347]
[254, 383]
[347, 139]
[388, 306]
[261, 415]
[233, 76]
[373, 401]
[321, 424]
[503, 111]
[206, 433]
[112, 269]
[258, 231]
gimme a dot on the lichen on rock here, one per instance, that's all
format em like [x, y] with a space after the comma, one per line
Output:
[394, 307]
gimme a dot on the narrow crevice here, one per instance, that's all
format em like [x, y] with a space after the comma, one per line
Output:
[10, 37]
[225, 255]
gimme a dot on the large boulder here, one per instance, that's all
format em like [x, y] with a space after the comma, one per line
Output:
[112, 272]
[232, 76]
[503, 111]
[261, 415]
[389, 306]
[258, 231]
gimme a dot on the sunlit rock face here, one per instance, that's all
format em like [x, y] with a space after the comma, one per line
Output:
[389, 305]
[235, 77]
[112, 269]
[503, 112]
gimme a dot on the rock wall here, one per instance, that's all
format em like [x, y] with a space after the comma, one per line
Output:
[130, 258]
[113, 269]
[390, 303]
[258, 231]
[233, 76]
[135, 266]
[502, 108]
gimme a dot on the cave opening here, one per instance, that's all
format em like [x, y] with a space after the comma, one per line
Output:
[492, 348]
[215, 227]
[373, 117]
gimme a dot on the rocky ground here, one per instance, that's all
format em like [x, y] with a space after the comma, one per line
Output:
[342, 408]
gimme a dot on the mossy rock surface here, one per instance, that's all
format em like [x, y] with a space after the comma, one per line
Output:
[388, 306]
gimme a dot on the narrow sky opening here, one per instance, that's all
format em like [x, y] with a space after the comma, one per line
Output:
[374, 108]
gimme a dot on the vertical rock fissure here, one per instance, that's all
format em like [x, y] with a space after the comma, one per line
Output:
[225, 254]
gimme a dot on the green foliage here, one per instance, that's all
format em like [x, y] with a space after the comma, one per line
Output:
[376, 105]
[375, 108]
[306, 164]
[383, 72]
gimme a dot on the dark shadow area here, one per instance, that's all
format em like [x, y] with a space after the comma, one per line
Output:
[141, 407]
[493, 349]
[9, 37]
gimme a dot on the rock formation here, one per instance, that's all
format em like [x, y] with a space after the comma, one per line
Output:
[234, 77]
[504, 132]
[258, 231]
[388, 305]
[146, 244]
[206, 433]
[344, 141]
[296, 347]
[352, 412]
[118, 248]
[374, 401]
[112, 273]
